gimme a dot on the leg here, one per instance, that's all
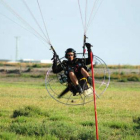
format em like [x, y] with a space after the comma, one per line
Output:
[86, 75]
[74, 80]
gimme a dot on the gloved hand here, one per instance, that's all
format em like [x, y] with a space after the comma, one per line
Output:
[88, 45]
[54, 57]
[54, 66]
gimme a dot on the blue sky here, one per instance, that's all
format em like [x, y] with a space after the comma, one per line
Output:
[114, 31]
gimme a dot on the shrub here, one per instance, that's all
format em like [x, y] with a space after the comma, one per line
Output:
[137, 121]
[28, 69]
[86, 134]
[123, 80]
[36, 66]
[87, 123]
[133, 78]
[122, 73]
[29, 111]
[117, 125]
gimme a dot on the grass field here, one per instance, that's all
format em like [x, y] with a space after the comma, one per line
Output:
[27, 112]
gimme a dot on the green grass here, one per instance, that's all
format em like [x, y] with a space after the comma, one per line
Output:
[124, 66]
[27, 112]
[124, 77]
[120, 77]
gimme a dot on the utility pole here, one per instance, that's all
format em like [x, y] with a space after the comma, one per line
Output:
[17, 38]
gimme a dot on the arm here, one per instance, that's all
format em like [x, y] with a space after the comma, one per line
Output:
[56, 68]
[88, 45]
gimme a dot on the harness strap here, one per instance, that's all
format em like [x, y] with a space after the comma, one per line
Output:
[83, 79]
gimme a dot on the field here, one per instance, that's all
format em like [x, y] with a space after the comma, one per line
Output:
[27, 112]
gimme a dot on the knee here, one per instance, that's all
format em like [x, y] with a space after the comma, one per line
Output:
[84, 72]
[71, 73]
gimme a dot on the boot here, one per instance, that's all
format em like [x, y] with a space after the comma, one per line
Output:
[79, 89]
[89, 79]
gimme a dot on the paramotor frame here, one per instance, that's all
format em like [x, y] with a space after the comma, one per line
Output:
[55, 85]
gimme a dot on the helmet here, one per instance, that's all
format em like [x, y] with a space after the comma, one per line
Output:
[70, 50]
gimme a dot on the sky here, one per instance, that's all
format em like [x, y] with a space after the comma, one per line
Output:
[114, 31]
